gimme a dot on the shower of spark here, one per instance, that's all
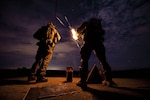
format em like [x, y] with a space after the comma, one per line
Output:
[60, 21]
[73, 31]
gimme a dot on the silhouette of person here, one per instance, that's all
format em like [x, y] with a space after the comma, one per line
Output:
[48, 36]
[93, 37]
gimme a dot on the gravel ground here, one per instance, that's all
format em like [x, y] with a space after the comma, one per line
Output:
[128, 88]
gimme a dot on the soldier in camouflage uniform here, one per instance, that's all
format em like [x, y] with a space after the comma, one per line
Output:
[93, 37]
[48, 36]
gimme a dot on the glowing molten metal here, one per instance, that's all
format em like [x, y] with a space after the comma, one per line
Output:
[74, 34]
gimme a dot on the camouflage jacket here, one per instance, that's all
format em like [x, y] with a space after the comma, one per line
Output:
[48, 36]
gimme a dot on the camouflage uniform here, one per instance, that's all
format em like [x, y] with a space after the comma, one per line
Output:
[48, 36]
[93, 37]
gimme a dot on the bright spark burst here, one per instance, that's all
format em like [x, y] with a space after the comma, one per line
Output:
[74, 34]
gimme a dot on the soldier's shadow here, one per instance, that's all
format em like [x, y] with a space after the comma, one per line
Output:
[13, 82]
[141, 90]
[106, 95]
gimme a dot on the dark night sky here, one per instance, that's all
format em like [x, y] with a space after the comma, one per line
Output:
[126, 22]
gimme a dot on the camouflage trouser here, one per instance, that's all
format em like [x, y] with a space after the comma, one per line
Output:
[45, 63]
[99, 51]
[42, 60]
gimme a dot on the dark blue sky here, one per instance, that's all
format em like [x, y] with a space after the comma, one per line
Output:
[126, 22]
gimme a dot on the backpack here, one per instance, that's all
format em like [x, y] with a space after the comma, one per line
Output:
[41, 33]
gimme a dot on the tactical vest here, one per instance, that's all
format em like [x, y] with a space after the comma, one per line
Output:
[93, 32]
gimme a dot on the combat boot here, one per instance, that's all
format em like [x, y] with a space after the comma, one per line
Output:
[83, 85]
[41, 79]
[109, 83]
[31, 78]
[107, 80]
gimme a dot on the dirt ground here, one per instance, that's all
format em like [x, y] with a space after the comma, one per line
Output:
[128, 88]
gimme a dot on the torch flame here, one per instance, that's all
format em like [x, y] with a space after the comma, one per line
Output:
[74, 34]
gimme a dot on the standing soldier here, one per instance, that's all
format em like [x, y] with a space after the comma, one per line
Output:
[48, 36]
[93, 37]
